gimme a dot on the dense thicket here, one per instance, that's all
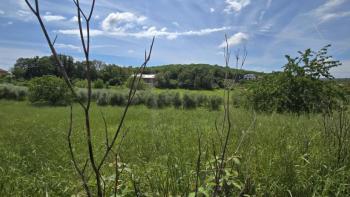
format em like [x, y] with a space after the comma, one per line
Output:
[305, 85]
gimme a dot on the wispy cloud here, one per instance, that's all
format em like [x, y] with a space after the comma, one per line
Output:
[68, 46]
[236, 39]
[176, 24]
[51, 18]
[2, 12]
[148, 33]
[212, 10]
[327, 11]
[235, 5]
[331, 16]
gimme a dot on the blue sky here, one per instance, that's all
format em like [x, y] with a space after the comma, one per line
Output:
[187, 31]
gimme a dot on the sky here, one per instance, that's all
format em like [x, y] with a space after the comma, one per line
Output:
[187, 31]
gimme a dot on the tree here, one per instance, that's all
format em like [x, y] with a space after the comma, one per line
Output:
[305, 85]
[48, 89]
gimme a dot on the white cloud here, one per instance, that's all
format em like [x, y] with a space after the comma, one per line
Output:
[326, 11]
[235, 5]
[236, 39]
[67, 46]
[2, 12]
[131, 51]
[176, 24]
[10, 23]
[23, 13]
[93, 32]
[52, 18]
[147, 33]
[128, 24]
[212, 10]
[328, 6]
[121, 21]
[74, 19]
[330, 16]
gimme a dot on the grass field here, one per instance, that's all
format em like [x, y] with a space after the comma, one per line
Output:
[282, 155]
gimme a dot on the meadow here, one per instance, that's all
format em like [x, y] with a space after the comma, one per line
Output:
[279, 155]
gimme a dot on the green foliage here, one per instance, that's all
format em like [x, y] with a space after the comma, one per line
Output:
[215, 102]
[189, 101]
[81, 83]
[49, 89]
[11, 92]
[177, 101]
[152, 101]
[98, 84]
[194, 76]
[103, 99]
[299, 88]
[139, 84]
[118, 99]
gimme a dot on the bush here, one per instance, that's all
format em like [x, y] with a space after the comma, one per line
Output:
[81, 83]
[49, 89]
[177, 102]
[215, 102]
[299, 88]
[141, 85]
[152, 101]
[189, 101]
[11, 92]
[103, 99]
[201, 100]
[164, 100]
[98, 84]
[82, 95]
[118, 99]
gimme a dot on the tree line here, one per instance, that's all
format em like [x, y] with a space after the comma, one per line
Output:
[190, 76]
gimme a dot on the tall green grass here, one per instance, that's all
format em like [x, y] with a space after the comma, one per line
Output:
[279, 156]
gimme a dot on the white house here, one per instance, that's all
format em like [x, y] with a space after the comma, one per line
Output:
[249, 77]
[148, 78]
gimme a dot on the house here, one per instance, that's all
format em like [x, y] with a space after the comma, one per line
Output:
[249, 77]
[3, 72]
[149, 79]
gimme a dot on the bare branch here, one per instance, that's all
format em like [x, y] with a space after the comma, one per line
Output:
[80, 172]
[130, 98]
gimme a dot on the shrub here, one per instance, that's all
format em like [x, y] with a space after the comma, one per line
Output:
[49, 89]
[140, 98]
[177, 102]
[82, 95]
[118, 99]
[103, 99]
[98, 84]
[152, 101]
[11, 92]
[81, 83]
[141, 85]
[201, 100]
[164, 100]
[189, 101]
[299, 87]
[215, 102]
